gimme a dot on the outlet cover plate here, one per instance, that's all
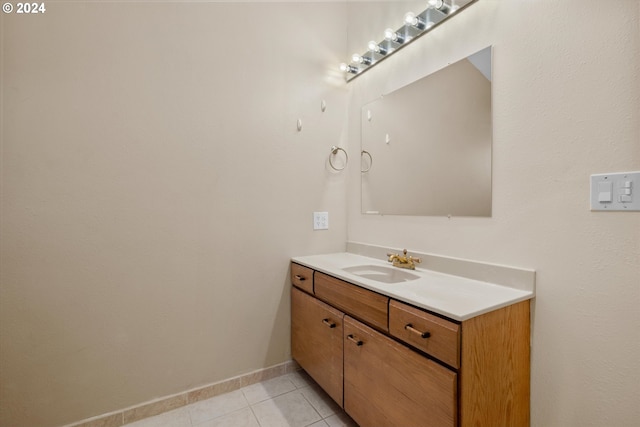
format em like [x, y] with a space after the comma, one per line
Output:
[619, 191]
[321, 220]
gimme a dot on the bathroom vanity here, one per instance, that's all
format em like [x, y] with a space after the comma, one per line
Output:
[414, 348]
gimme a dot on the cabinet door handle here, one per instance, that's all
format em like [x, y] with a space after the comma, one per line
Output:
[300, 278]
[329, 323]
[355, 340]
[409, 327]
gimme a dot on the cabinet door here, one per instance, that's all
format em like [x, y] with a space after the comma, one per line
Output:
[317, 342]
[388, 384]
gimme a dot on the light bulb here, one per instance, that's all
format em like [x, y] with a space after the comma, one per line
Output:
[411, 19]
[440, 5]
[389, 34]
[346, 68]
[393, 36]
[360, 59]
[375, 47]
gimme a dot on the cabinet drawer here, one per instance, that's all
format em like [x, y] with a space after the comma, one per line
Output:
[431, 334]
[302, 277]
[388, 384]
[370, 307]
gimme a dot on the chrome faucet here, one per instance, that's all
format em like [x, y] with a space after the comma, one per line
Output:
[404, 261]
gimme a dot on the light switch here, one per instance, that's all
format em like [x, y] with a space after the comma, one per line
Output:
[614, 191]
[604, 191]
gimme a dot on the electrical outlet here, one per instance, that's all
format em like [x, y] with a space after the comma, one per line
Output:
[321, 220]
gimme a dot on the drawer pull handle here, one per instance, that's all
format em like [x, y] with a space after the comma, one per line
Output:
[357, 341]
[410, 328]
[329, 323]
[300, 278]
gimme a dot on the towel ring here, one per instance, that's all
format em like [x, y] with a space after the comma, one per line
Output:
[362, 153]
[334, 151]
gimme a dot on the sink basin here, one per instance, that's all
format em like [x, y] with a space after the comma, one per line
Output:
[382, 274]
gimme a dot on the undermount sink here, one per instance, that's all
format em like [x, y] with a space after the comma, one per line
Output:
[382, 274]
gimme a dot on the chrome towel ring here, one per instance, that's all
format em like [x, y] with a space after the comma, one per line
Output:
[334, 151]
[362, 153]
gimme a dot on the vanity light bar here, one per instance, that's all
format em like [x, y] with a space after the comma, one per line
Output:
[415, 25]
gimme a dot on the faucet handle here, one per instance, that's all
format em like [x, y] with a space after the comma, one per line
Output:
[411, 259]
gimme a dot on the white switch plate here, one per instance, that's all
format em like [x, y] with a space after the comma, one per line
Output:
[618, 191]
[321, 220]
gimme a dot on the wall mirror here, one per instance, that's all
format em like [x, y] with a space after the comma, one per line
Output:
[426, 147]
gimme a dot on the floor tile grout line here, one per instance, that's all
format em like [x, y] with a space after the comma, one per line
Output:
[190, 405]
[299, 386]
[255, 416]
[225, 415]
[269, 397]
[189, 411]
[314, 408]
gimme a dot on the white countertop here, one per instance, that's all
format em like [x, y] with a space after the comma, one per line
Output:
[456, 297]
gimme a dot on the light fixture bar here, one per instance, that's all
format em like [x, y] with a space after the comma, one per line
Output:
[415, 25]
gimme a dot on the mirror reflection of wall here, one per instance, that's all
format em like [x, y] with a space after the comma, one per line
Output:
[430, 144]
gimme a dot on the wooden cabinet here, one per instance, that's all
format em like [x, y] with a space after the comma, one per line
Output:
[494, 368]
[391, 364]
[387, 384]
[302, 277]
[370, 307]
[426, 332]
[317, 341]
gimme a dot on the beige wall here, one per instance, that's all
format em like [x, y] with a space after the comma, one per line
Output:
[566, 104]
[154, 187]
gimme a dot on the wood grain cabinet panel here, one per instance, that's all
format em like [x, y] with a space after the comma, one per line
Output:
[495, 368]
[302, 277]
[388, 384]
[431, 334]
[474, 373]
[368, 306]
[317, 340]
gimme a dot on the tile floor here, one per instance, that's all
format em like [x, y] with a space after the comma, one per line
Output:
[291, 400]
